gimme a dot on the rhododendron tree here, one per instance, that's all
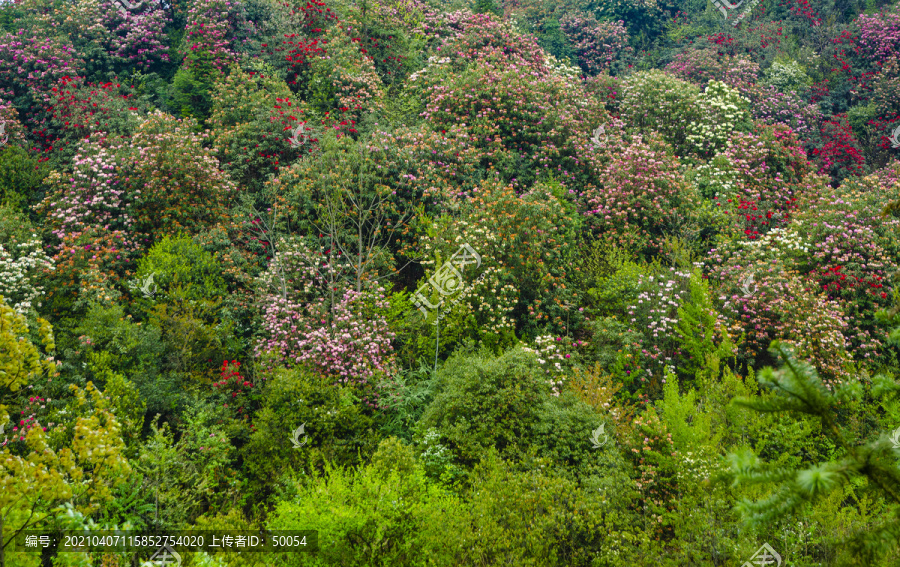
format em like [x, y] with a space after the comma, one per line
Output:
[699, 66]
[772, 107]
[530, 240]
[597, 44]
[21, 268]
[642, 195]
[344, 336]
[77, 109]
[253, 119]
[758, 179]
[839, 155]
[346, 78]
[654, 101]
[723, 111]
[525, 125]
[31, 65]
[209, 31]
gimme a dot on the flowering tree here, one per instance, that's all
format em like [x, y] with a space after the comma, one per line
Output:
[597, 44]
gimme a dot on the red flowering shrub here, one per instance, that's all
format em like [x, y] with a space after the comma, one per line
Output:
[235, 389]
[839, 153]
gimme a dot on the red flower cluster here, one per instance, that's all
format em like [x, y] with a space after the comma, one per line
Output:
[233, 383]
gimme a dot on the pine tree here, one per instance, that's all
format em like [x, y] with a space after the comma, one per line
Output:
[798, 388]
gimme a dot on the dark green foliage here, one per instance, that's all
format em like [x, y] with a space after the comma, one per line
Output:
[20, 177]
[505, 403]
[872, 465]
[339, 429]
[555, 42]
[192, 88]
[487, 7]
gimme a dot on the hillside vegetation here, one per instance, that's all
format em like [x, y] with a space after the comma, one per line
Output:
[575, 284]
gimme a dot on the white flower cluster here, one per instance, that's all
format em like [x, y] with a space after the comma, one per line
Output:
[717, 175]
[19, 273]
[550, 356]
[432, 62]
[781, 241]
[722, 108]
[698, 468]
[561, 69]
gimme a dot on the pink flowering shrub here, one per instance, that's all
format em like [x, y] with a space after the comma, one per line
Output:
[311, 318]
[479, 37]
[699, 66]
[770, 106]
[209, 31]
[524, 124]
[597, 44]
[158, 183]
[92, 195]
[879, 34]
[31, 65]
[642, 194]
[139, 37]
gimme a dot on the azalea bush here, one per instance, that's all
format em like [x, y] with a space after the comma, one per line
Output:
[597, 45]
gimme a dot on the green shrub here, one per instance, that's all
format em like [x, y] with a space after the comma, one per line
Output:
[179, 261]
[505, 403]
[386, 514]
[20, 177]
[340, 429]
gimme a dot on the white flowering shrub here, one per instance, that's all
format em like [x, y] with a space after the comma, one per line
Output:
[555, 355]
[787, 76]
[20, 269]
[655, 315]
[722, 111]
